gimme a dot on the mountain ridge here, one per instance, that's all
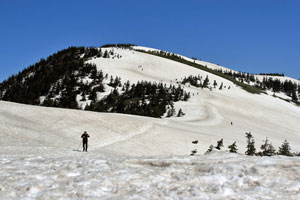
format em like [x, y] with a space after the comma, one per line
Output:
[78, 59]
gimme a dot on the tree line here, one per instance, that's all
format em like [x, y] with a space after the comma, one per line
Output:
[288, 87]
[143, 98]
[266, 149]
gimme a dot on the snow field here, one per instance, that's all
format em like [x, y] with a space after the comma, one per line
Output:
[218, 175]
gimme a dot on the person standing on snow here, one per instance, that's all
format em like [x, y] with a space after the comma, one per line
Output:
[84, 137]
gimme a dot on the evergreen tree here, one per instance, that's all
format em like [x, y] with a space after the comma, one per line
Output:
[221, 86]
[206, 82]
[294, 96]
[219, 144]
[233, 148]
[186, 96]
[285, 149]
[106, 54]
[215, 83]
[93, 95]
[267, 149]
[251, 150]
[171, 112]
[180, 113]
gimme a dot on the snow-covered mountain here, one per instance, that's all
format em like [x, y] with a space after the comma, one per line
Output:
[208, 112]
[36, 137]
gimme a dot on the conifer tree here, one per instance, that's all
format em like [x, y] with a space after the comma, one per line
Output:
[171, 112]
[206, 82]
[233, 148]
[267, 149]
[251, 150]
[186, 96]
[221, 86]
[215, 83]
[180, 113]
[294, 96]
[219, 144]
[285, 149]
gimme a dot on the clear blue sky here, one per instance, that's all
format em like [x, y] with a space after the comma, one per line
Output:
[251, 36]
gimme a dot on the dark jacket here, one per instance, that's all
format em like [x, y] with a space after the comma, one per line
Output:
[85, 137]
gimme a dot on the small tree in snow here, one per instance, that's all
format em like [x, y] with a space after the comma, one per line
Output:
[219, 144]
[233, 148]
[285, 149]
[180, 113]
[215, 83]
[171, 112]
[193, 152]
[221, 86]
[267, 149]
[250, 145]
[211, 147]
[206, 82]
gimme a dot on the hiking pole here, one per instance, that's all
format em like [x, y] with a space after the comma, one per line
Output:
[79, 146]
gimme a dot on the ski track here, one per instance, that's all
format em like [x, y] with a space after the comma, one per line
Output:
[126, 137]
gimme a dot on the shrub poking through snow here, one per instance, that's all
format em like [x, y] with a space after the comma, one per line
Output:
[180, 113]
[221, 86]
[211, 147]
[233, 148]
[193, 152]
[219, 144]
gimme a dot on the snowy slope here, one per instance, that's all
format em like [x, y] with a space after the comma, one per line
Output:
[207, 119]
[220, 67]
[201, 62]
[39, 157]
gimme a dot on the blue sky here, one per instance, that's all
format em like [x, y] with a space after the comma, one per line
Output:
[249, 36]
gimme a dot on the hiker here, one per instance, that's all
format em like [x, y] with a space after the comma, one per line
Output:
[84, 137]
[231, 123]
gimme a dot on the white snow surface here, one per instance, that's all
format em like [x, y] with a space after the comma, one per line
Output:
[220, 67]
[61, 174]
[134, 157]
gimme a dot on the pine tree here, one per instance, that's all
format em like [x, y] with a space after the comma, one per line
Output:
[285, 149]
[215, 83]
[206, 82]
[250, 145]
[294, 96]
[267, 149]
[219, 144]
[180, 113]
[221, 86]
[105, 55]
[186, 96]
[171, 112]
[233, 148]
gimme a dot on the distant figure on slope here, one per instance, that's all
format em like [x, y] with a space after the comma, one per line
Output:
[84, 137]
[231, 123]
